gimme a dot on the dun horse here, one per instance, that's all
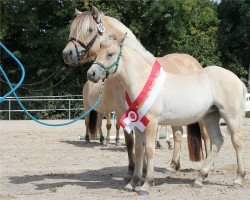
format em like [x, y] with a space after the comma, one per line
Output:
[86, 35]
[209, 94]
[93, 121]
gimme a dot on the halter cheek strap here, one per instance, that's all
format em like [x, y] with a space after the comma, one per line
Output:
[87, 47]
[115, 64]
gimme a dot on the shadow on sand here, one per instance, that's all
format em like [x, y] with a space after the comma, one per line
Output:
[108, 177]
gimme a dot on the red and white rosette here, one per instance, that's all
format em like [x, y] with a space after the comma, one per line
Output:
[134, 117]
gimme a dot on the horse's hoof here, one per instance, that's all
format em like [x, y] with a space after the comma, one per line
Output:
[129, 187]
[130, 171]
[143, 193]
[158, 145]
[118, 144]
[137, 189]
[102, 143]
[197, 184]
[237, 185]
[108, 142]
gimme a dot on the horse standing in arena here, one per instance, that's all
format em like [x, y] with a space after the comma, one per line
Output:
[209, 94]
[87, 31]
[93, 121]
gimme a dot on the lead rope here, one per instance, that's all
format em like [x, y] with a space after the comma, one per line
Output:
[12, 91]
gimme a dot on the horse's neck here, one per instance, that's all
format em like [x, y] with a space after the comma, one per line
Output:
[112, 25]
[133, 73]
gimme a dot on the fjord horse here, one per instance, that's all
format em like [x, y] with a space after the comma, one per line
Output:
[86, 34]
[209, 94]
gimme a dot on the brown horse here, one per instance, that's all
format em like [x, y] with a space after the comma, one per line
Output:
[86, 34]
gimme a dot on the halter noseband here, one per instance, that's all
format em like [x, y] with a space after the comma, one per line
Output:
[115, 64]
[83, 53]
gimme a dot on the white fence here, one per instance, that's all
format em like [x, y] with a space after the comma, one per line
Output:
[68, 99]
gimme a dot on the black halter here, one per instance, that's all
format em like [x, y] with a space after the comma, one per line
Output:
[83, 53]
[86, 49]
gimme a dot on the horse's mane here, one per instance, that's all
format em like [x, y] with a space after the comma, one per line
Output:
[131, 40]
[84, 22]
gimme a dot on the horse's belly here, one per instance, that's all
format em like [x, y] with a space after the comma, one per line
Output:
[185, 108]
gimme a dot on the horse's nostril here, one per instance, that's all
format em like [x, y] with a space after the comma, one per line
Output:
[64, 56]
[70, 52]
[93, 74]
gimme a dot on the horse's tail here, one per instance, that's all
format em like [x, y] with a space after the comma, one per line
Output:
[93, 123]
[194, 142]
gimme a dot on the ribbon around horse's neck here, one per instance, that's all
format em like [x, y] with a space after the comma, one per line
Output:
[115, 64]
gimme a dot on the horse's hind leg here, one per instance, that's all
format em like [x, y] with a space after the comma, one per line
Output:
[235, 129]
[99, 125]
[204, 136]
[87, 128]
[216, 140]
[175, 162]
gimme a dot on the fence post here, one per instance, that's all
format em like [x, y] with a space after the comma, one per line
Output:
[69, 109]
[9, 109]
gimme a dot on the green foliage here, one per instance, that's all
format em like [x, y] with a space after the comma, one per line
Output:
[37, 32]
[234, 35]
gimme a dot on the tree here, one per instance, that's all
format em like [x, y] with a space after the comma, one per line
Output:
[187, 26]
[234, 35]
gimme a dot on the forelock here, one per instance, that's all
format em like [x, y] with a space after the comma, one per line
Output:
[82, 24]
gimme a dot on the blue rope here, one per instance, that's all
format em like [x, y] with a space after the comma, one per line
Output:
[22, 78]
[12, 91]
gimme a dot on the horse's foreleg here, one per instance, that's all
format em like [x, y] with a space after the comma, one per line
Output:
[108, 127]
[212, 125]
[129, 140]
[150, 133]
[139, 153]
[175, 162]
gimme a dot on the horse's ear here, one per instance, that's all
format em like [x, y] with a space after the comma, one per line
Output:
[77, 12]
[121, 39]
[95, 13]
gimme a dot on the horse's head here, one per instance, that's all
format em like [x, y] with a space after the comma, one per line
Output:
[84, 33]
[108, 59]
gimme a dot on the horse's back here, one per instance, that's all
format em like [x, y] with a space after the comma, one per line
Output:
[179, 63]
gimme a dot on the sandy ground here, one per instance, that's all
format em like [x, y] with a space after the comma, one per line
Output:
[39, 162]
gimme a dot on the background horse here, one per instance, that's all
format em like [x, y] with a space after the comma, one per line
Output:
[93, 121]
[210, 94]
[85, 37]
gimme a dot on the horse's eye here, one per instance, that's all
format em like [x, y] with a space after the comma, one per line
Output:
[90, 30]
[109, 55]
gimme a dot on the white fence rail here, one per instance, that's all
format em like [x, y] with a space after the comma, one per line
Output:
[68, 99]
